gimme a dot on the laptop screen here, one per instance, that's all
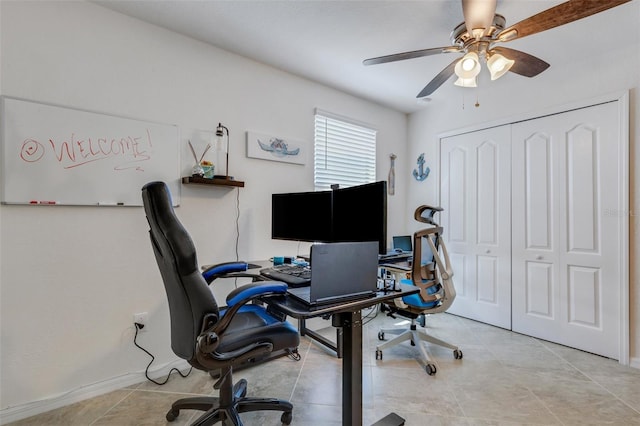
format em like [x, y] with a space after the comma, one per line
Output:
[402, 242]
[342, 270]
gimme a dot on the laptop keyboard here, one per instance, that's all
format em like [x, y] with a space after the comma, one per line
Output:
[293, 275]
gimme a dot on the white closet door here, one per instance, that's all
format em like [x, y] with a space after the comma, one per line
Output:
[566, 280]
[475, 189]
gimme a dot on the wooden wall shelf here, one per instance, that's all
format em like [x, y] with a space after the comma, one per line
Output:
[214, 181]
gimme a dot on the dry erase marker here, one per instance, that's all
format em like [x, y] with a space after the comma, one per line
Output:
[47, 202]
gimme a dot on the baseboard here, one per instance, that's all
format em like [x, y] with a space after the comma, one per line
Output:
[635, 363]
[33, 408]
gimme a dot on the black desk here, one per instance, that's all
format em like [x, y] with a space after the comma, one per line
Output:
[347, 316]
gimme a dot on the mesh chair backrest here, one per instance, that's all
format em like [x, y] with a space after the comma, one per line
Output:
[432, 272]
[189, 296]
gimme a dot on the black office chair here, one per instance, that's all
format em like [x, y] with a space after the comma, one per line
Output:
[209, 338]
[431, 273]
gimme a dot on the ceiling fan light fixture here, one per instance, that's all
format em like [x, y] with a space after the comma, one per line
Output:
[466, 82]
[468, 67]
[499, 65]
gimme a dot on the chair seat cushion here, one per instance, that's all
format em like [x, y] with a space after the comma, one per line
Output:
[415, 301]
[253, 324]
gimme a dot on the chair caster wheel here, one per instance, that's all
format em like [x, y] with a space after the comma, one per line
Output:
[380, 335]
[457, 354]
[172, 414]
[378, 354]
[286, 417]
[431, 369]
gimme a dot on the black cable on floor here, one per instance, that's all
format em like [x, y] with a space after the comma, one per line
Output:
[146, 371]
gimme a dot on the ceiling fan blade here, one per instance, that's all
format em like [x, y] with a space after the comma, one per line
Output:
[561, 14]
[478, 15]
[525, 64]
[438, 80]
[411, 55]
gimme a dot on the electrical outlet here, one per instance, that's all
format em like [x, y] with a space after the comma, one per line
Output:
[141, 318]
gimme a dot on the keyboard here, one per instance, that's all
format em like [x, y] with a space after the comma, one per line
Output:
[292, 275]
[394, 257]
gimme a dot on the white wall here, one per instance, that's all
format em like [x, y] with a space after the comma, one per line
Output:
[603, 73]
[71, 277]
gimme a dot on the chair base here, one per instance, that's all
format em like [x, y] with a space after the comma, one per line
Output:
[216, 410]
[416, 337]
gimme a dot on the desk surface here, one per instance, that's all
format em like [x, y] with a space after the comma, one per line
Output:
[297, 309]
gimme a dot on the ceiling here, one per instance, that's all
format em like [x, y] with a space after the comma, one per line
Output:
[326, 41]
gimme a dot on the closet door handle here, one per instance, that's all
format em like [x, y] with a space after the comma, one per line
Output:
[539, 257]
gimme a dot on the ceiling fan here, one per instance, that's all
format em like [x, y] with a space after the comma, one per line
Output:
[479, 36]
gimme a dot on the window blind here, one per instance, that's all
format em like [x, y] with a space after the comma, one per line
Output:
[344, 152]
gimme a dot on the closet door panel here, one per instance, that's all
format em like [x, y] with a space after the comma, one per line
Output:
[574, 178]
[486, 188]
[535, 230]
[487, 269]
[475, 171]
[535, 181]
[582, 190]
[539, 287]
[456, 195]
[585, 296]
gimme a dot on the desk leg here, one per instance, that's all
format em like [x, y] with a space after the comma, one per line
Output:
[351, 323]
[304, 331]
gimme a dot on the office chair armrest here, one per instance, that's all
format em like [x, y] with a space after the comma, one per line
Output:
[209, 338]
[248, 292]
[240, 297]
[223, 269]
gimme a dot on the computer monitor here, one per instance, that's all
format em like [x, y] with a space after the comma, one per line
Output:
[360, 214]
[302, 216]
[354, 214]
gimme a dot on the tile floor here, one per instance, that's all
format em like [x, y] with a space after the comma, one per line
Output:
[504, 379]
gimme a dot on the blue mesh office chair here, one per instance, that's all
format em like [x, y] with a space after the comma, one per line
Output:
[209, 338]
[433, 275]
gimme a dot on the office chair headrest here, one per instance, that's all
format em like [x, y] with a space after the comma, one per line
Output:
[425, 214]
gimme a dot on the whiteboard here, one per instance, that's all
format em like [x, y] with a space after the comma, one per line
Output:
[60, 155]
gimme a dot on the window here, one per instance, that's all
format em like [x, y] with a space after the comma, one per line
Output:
[344, 152]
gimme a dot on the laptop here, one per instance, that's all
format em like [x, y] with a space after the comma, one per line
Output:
[401, 251]
[402, 243]
[340, 272]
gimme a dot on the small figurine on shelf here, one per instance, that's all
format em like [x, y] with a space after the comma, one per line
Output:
[202, 168]
[197, 171]
[207, 169]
